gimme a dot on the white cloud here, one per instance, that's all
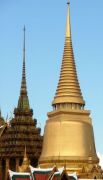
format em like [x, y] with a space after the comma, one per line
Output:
[100, 156]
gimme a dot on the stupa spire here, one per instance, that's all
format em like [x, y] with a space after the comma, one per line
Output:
[68, 90]
[23, 82]
[68, 28]
[23, 102]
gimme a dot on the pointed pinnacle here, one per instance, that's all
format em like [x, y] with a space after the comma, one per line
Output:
[68, 2]
[24, 44]
[68, 26]
[25, 153]
[23, 83]
[68, 89]
[23, 102]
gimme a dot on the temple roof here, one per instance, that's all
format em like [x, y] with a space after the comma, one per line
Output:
[68, 89]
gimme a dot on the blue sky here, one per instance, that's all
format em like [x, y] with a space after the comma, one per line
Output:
[45, 31]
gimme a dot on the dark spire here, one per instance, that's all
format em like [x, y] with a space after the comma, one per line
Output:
[23, 102]
[23, 83]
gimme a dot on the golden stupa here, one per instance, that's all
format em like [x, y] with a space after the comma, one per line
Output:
[68, 135]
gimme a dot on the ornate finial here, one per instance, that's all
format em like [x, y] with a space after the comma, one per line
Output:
[68, 26]
[68, 2]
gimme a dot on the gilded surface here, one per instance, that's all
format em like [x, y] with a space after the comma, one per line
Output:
[68, 90]
[68, 135]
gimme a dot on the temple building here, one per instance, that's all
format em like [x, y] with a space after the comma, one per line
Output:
[68, 142]
[68, 135]
[22, 132]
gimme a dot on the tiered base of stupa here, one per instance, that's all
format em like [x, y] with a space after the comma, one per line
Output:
[69, 143]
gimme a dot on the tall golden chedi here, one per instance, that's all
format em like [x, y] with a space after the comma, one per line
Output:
[68, 135]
